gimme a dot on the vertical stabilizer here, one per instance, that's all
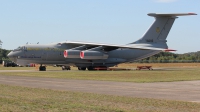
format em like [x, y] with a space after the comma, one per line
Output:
[160, 29]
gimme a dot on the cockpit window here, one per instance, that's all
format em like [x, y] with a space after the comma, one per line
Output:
[19, 48]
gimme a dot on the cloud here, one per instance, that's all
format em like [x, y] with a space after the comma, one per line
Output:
[165, 1]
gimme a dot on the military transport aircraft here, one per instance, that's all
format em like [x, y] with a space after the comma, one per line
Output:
[90, 55]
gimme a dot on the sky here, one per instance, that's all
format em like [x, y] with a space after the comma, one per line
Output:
[102, 21]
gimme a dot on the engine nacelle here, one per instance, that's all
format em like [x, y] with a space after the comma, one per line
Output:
[72, 53]
[93, 55]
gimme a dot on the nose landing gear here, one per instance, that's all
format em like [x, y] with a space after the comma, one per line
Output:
[42, 68]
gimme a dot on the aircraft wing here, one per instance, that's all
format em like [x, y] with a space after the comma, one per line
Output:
[110, 47]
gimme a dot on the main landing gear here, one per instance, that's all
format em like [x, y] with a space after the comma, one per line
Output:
[42, 68]
[82, 68]
[91, 68]
[66, 68]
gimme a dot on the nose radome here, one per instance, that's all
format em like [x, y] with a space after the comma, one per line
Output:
[9, 54]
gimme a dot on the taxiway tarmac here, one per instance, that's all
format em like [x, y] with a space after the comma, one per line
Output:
[183, 90]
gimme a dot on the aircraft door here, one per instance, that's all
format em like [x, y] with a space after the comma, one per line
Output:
[44, 56]
[24, 50]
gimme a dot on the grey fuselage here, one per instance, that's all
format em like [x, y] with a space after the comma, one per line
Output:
[52, 54]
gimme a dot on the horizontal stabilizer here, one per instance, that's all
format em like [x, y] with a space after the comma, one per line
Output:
[171, 14]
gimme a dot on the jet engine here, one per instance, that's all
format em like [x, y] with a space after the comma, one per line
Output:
[72, 53]
[93, 55]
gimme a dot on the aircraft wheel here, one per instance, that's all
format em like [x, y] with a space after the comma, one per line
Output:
[81, 68]
[63, 67]
[90, 68]
[42, 68]
[66, 68]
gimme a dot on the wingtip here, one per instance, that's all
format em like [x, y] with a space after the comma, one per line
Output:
[191, 13]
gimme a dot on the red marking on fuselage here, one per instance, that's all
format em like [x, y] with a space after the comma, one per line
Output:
[65, 53]
[81, 54]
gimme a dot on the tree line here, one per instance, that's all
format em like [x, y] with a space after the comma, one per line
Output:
[3, 54]
[168, 57]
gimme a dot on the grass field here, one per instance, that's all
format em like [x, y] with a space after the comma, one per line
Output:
[23, 99]
[187, 65]
[163, 73]
[125, 65]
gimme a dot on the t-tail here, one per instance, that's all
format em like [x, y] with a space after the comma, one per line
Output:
[157, 33]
